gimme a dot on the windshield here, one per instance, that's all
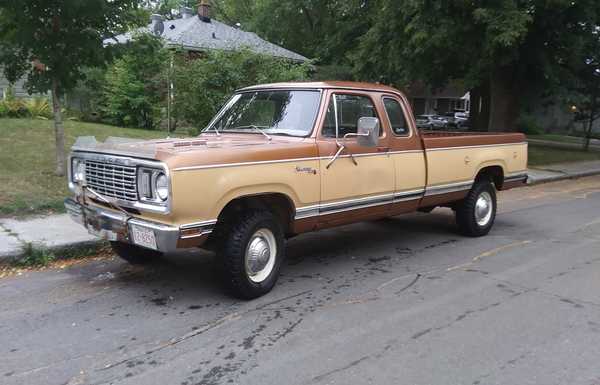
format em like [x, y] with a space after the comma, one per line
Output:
[281, 112]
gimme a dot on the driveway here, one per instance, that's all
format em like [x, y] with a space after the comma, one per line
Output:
[399, 301]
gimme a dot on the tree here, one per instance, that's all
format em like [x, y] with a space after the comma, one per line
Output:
[584, 90]
[502, 49]
[50, 41]
[325, 30]
[204, 83]
[135, 85]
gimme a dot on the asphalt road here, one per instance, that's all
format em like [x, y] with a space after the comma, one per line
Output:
[400, 301]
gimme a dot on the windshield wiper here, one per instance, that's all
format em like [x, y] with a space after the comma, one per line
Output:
[257, 129]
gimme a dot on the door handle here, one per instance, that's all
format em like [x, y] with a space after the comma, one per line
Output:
[383, 149]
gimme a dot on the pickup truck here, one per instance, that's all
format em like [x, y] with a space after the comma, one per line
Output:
[280, 160]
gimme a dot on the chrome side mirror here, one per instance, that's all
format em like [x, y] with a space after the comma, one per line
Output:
[368, 132]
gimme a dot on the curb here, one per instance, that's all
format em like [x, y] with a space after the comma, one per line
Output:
[564, 176]
[61, 252]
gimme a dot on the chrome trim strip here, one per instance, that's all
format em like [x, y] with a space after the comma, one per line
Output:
[516, 175]
[205, 232]
[408, 195]
[448, 188]
[359, 203]
[475, 146]
[207, 223]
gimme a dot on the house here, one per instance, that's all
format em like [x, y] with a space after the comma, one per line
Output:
[198, 32]
[428, 101]
[18, 88]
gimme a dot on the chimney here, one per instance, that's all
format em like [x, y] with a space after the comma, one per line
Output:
[186, 12]
[157, 26]
[204, 11]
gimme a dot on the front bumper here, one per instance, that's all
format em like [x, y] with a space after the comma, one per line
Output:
[113, 225]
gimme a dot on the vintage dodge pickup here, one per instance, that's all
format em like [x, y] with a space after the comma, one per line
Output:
[283, 159]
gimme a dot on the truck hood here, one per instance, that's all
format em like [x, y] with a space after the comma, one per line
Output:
[205, 149]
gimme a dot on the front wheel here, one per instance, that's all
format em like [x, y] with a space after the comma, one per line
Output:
[475, 215]
[252, 254]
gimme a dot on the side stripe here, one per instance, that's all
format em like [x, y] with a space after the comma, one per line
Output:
[354, 204]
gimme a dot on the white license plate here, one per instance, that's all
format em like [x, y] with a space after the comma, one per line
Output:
[143, 237]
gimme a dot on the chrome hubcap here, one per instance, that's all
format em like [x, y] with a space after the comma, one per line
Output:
[483, 209]
[260, 255]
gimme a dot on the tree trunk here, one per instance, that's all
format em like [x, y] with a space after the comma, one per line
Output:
[59, 131]
[480, 107]
[588, 133]
[503, 100]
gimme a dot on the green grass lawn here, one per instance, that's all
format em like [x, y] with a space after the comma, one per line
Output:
[558, 138]
[27, 162]
[539, 155]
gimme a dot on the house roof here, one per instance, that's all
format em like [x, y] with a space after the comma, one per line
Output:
[194, 34]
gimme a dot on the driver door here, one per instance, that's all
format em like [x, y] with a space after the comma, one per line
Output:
[359, 184]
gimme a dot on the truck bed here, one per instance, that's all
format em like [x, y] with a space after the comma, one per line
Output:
[445, 139]
[454, 159]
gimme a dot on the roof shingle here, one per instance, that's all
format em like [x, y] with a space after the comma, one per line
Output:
[193, 34]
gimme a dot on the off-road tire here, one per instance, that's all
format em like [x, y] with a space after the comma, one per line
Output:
[232, 254]
[465, 211]
[133, 254]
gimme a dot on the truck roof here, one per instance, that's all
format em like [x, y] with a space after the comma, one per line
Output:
[325, 85]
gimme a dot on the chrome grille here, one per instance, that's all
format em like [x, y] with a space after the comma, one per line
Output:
[111, 180]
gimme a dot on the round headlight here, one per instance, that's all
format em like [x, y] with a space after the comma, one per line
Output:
[162, 186]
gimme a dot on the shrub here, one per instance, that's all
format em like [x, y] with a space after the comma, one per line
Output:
[3, 109]
[38, 108]
[203, 84]
[34, 256]
[134, 85]
[15, 108]
[528, 125]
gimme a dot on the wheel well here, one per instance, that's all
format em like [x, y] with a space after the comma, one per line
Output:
[493, 173]
[278, 204]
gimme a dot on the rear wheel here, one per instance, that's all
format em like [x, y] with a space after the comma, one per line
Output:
[133, 254]
[251, 254]
[475, 215]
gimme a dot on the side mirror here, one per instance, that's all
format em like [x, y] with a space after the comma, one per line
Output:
[368, 132]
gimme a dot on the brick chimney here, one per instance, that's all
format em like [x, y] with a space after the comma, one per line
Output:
[204, 11]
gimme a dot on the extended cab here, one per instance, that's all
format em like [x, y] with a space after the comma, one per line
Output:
[280, 160]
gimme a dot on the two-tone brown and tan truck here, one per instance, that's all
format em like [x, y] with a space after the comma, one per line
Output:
[280, 160]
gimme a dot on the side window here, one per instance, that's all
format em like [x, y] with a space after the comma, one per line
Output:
[350, 108]
[396, 116]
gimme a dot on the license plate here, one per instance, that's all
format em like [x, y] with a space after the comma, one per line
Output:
[143, 237]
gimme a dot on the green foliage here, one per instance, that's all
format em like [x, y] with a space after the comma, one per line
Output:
[34, 256]
[326, 30]
[528, 125]
[203, 84]
[135, 84]
[14, 108]
[38, 108]
[62, 36]
[509, 50]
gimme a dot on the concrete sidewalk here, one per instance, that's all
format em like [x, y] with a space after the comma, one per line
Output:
[59, 231]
